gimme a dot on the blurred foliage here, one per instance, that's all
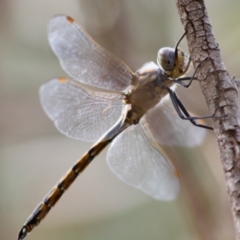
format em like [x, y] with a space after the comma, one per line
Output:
[99, 206]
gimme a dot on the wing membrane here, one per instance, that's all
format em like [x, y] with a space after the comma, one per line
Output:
[78, 112]
[137, 162]
[83, 59]
[169, 129]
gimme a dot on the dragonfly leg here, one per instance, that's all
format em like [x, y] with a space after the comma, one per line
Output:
[190, 79]
[176, 47]
[183, 113]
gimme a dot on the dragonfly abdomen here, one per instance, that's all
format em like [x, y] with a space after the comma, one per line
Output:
[55, 194]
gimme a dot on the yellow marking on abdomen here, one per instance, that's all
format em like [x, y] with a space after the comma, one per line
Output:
[55, 194]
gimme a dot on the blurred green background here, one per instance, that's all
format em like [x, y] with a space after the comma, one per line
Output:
[34, 155]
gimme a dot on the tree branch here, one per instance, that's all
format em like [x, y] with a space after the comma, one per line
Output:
[220, 91]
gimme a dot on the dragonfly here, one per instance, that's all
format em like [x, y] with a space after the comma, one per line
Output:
[105, 102]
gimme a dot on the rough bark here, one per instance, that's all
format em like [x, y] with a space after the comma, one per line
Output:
[221, 94]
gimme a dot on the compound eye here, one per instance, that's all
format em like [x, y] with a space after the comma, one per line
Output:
[166, 58]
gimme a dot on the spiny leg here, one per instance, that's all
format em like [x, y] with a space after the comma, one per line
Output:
[190, 79]
[179, 80]
[183, 54]
[181, 38]
[183, 113]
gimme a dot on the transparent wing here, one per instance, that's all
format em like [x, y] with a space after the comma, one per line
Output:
[139, 163]
[78, 112]
[83, 59]
[169, 129]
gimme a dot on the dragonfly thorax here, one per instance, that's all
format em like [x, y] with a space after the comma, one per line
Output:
[148, 88]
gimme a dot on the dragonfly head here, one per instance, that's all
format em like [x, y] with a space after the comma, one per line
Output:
[173, 61]
[166, 58]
